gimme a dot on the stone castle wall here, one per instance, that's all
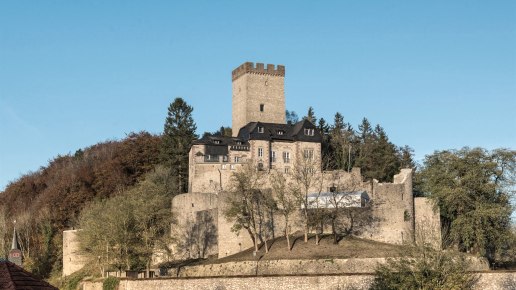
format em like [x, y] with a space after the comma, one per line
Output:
[393, 212]
[427, 222]
[486, 281]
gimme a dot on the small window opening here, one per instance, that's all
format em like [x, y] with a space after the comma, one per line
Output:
[261, 107]
[260, 130]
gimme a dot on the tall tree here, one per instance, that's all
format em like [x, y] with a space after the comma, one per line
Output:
[178, 135]
[472, 188]
[310, 116]
[343, 143]
[291, 117]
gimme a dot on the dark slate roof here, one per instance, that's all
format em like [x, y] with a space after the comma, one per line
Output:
[280, 132]
[218, 145]
[221, 141]
[13, 277]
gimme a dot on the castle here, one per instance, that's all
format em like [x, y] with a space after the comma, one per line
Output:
[262, 138]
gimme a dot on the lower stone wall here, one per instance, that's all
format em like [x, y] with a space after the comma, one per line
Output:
[487, 281]
[298, 267]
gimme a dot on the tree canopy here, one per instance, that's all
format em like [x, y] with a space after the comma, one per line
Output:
[472, 187]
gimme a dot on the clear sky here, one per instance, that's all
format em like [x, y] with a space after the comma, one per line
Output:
[435, 74]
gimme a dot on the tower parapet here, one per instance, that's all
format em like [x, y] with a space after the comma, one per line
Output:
[259, 68]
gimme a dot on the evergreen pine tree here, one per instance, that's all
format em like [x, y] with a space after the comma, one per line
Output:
[178, 135]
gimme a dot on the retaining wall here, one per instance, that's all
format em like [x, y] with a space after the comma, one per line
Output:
[487, 281]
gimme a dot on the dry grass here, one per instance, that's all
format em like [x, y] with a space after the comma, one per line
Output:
[348, 247]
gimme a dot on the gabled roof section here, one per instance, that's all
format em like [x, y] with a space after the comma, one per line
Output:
[280, 132]
[13, 277]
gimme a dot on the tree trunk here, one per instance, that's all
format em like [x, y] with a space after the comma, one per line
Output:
[255, 242]
[334, 231]
[287, 235]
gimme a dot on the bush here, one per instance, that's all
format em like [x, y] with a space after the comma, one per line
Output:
[110, 283]
[425, 268]
[72, 282]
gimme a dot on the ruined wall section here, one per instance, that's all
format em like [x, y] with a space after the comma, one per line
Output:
[393, 210]
[73, 260]
[427, 222]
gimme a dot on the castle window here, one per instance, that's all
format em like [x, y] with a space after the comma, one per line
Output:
[225, 158]
[260, 129]
[261, 107]
[232, 167]
[287, 170]
[260, 166]
[286, 157]
[309, 154]
[239, 142]
[237, 159]
[309, 132]
[281, 132]
[273, 156]
[224, 166]
[260, 152]
[216, 141]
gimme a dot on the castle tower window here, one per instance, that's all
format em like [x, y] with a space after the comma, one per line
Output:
[260, 129]
[261, 107]
[260, 152]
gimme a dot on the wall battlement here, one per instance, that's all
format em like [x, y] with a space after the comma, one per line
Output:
[259, 68]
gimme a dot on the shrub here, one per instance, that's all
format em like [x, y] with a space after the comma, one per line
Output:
[425, 268]
[110, 283]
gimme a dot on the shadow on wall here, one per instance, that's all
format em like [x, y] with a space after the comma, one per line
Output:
[199, 238]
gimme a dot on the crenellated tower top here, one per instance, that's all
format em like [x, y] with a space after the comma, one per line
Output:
[259, 68]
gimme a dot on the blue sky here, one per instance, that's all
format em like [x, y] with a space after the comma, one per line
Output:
[435, 74]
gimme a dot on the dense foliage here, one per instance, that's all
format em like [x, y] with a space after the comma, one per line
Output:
[123, 231]
[47, 201]
[369, 148]
[473, 188]
[424, 268]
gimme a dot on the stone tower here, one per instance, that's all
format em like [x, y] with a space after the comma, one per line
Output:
[258, 94]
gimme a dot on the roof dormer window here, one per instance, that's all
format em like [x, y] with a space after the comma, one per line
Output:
[309, 132]
[281, 132]
[216, 141]
[261, 129]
